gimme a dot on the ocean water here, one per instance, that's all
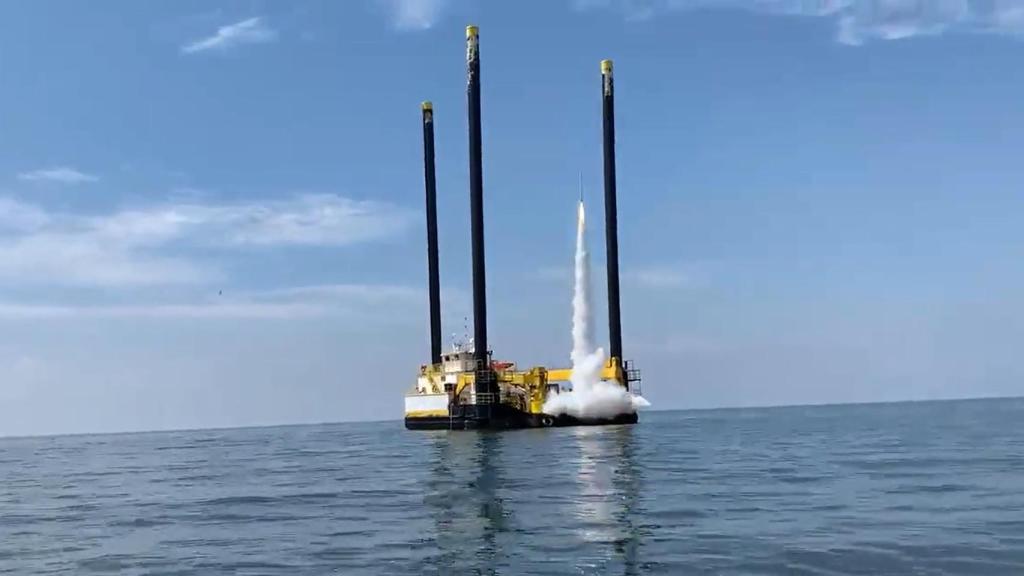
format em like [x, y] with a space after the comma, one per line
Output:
[912, 488]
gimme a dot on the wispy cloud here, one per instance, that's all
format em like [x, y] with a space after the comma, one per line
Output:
[363, 293]
[305, 220]
[414, 14]
[855, 21]
[146, 246]
[58, 174]
[83, 259]
[655, 277]
[18, 217]
[660, 277]
[249, 31]
[288, 303]
[678, 276]
[208, 310]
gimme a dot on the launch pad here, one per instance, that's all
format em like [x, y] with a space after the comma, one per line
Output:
[466, 388]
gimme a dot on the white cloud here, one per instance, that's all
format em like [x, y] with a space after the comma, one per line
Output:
[1008, 16]
[899, 19]
[82, 259]
[654, 277]
[364, 293]
[856, 21]
[245, 310]
[145, 246]
[287, 303]
[18, 217]
[660, 277]
[305, 220]
[669, 276]
[311, 220]
[249, 31]
[414, 14]
[58, 174]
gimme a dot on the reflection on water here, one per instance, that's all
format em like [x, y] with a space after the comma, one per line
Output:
[608, 487]
[486, 491]
[462, 492]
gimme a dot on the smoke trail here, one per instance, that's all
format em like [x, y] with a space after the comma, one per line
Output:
[590, 396]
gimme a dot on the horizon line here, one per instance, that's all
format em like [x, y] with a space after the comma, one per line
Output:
[399, 420]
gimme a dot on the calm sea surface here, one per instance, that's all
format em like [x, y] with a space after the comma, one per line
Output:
[917, 488]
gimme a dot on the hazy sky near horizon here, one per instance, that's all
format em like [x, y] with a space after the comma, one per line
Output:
[211, 214]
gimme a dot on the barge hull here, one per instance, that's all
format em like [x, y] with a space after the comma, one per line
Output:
[508, 419]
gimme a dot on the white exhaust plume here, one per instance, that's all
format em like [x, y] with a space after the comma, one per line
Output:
[590, 397]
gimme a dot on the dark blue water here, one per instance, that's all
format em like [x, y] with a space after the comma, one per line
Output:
[923, 488]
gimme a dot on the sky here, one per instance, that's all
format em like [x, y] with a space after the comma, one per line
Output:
[211, 214]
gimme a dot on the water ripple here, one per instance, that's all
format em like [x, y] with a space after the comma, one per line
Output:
[881, 489]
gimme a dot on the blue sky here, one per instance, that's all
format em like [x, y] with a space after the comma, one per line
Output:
[211, 214]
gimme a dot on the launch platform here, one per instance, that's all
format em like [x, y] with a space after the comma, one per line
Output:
[466, 388]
